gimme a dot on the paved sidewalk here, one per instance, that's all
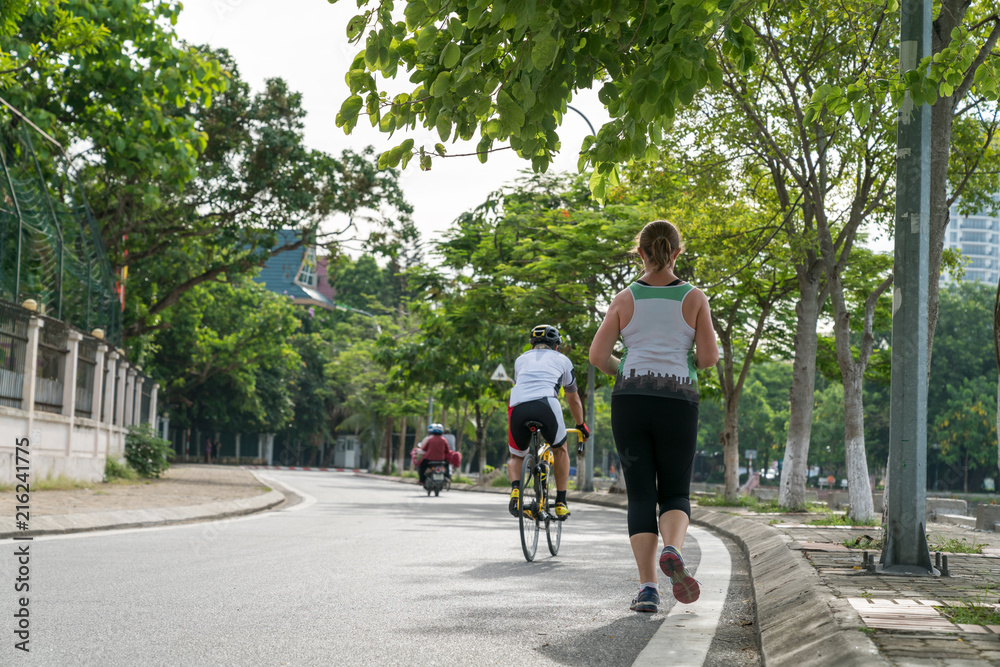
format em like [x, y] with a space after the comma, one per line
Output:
[815, 603]
[184, 493]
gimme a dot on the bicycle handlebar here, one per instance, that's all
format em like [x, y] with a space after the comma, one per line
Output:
[581, 444]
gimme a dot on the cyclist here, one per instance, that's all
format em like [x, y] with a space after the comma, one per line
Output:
[435, 448]
[538, 375]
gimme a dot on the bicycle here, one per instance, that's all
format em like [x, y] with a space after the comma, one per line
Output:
[534, 493]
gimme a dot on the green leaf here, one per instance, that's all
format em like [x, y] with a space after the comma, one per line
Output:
[443, 127]
[483, 149]
[543, 52]
[607, 93]
[441, 85]
[425, 40]
[356, 25]
[415, 12]
[450, 55]
[351, 107]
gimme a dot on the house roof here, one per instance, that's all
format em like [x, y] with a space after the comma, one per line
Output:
[281, 272]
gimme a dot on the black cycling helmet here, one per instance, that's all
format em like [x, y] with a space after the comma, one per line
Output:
[547, 334]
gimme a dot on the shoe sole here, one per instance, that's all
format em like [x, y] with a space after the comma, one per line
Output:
[686, 588]
[645, 608]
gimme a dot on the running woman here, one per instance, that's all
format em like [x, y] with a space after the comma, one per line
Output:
[538, 375]
[654, 405]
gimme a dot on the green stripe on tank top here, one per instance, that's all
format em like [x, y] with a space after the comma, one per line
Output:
[675, 293]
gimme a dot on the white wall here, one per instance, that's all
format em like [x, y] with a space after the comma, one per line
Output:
[75, 448]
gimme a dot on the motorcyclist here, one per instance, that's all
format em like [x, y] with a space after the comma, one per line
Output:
[538, 375]
[435, 448]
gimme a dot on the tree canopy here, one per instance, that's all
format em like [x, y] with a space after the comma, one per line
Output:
[506, 70]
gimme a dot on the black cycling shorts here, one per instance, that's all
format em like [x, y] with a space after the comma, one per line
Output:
[541, 410]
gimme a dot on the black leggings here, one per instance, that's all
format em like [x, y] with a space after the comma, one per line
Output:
[656, 440]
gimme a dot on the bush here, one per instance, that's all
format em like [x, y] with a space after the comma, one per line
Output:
[500, 480]
[146, 452]
[115, 468]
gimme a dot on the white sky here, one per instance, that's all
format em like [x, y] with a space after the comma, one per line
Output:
[304, 42]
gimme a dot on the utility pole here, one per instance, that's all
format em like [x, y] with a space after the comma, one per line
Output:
[905, 550]
[588, 477]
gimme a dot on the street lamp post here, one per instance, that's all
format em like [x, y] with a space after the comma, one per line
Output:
[588, 477]
[905, 551]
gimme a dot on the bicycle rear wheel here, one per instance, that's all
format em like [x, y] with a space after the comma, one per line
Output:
[528, 516]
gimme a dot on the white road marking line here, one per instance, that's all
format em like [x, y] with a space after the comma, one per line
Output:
[686, 634]
[307, 500]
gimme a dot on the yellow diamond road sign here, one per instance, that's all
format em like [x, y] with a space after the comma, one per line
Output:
[500, 374]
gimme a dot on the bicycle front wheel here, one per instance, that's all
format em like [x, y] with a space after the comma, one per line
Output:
[553, 533]
[528, 516]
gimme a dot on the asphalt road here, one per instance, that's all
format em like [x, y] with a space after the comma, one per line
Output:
[362, 572]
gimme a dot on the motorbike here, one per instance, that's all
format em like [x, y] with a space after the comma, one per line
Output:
[436, 477]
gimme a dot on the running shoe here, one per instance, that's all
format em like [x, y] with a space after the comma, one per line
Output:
[648, 600]
[515, 502]
[562, 511]
[686, 588]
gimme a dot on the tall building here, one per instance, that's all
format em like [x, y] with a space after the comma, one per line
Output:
[978, 238]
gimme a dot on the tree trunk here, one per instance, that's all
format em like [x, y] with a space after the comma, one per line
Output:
[794, 469]
[401, 446]
[859, 492]
[730, 440]
[387, 445]
[942, 115]
[480, 438]
[965, 470]
[996, 353]
[460, 427]
[619, 484]
[852, 372]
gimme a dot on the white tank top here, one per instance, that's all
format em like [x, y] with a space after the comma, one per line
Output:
[658, 342]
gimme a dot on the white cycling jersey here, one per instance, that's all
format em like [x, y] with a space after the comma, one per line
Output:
[539, 374]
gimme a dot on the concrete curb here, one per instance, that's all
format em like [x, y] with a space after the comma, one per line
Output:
[60, 524]
[797, 615]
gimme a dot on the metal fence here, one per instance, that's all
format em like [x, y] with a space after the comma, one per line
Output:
[13, 349]
[50, 245]
[86, 369]
[51, 366]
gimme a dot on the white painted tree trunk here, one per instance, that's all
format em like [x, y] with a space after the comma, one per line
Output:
[852, 372]
[730, 438]
[793, 472]
[859, 491]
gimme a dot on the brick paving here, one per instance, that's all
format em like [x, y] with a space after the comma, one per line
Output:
[900, 613]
